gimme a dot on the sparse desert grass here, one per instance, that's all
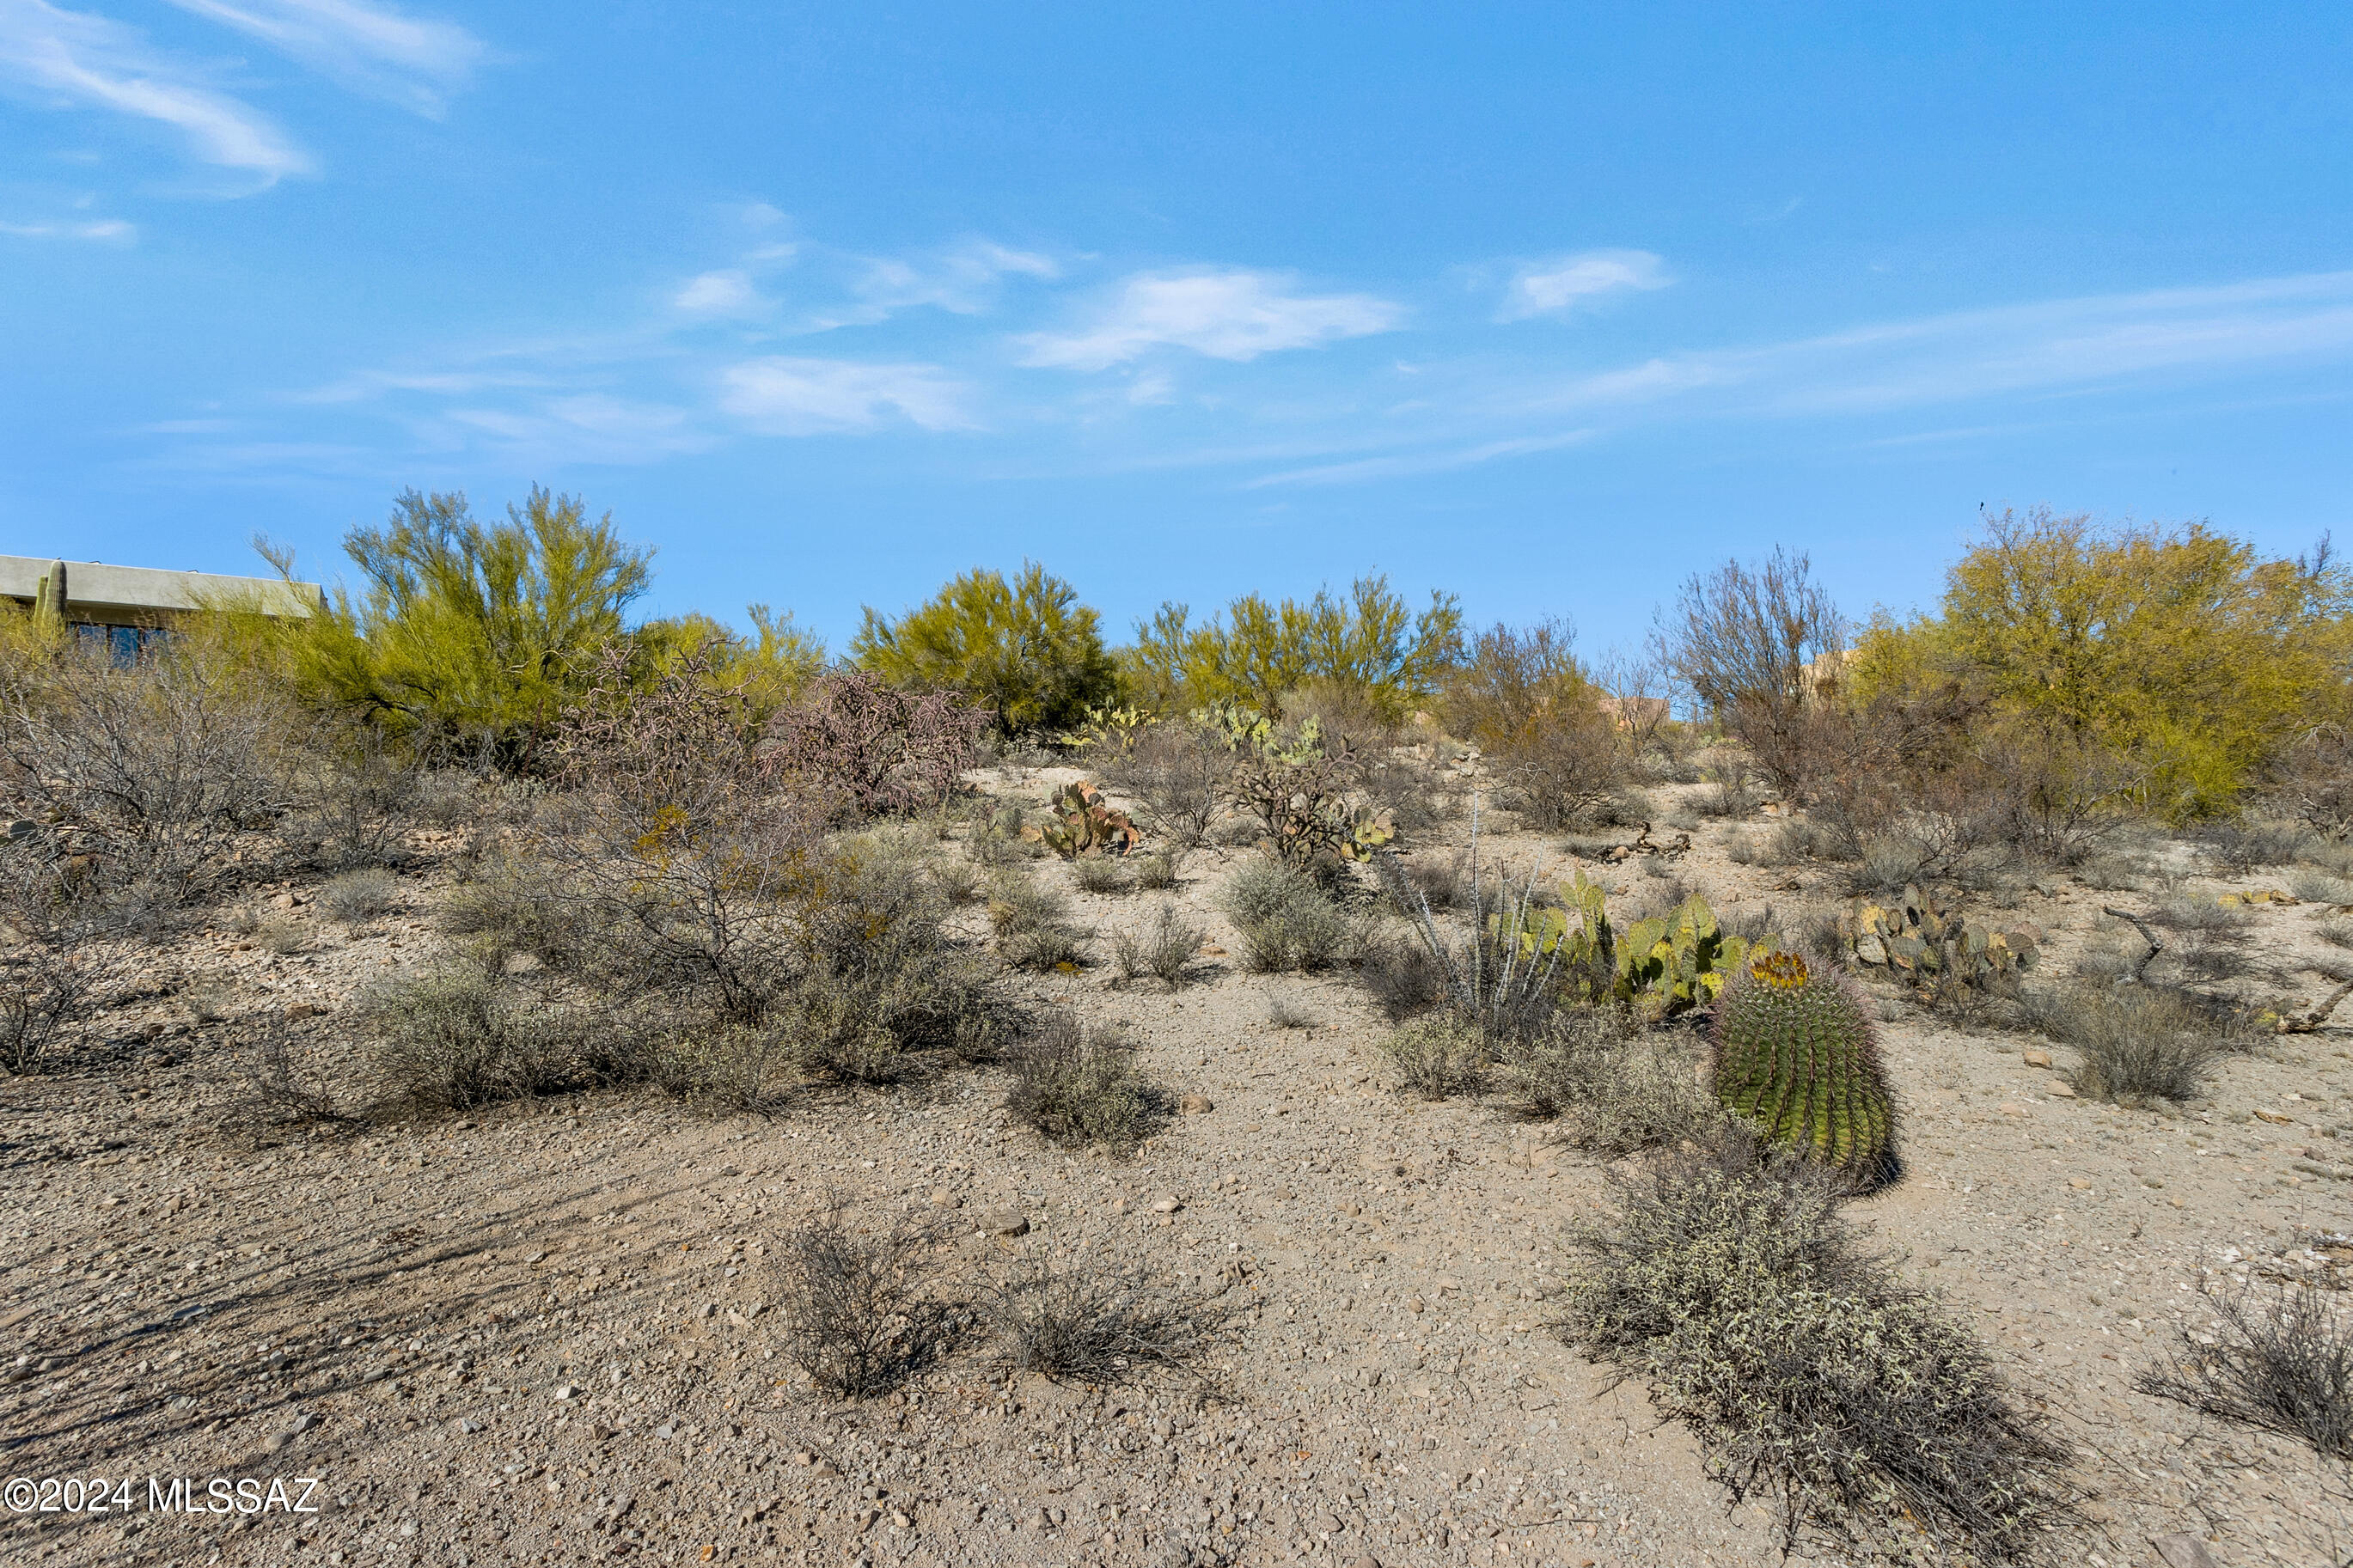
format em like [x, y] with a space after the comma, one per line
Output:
[2239, 849]
[1285, 1011]
[2113, 874]
[1092, 1324]
[958, 881]
[1287, 923]
[1162, 949]
[283, 935]
[2316, 886]
[1157, 873]
[1101, 874]
[2137, 1043]
[1613, 1088]
[859, 1318]
[1437, 1056]
[1078, 1087]
[356, 896]
[1030, 920]
[2184, 911]
[2335, 930]
[1815, 1377]
[2280, 1358]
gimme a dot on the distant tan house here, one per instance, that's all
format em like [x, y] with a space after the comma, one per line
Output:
[132, 606]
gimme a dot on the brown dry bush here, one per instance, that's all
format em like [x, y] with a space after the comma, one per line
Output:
[356, 896]
[1164, 949]
[1090, 1323]
[1287, 921]
[2280, 1359]
[872, 750]
[1078, 1088]
[150, 772]
[860, 1317]
[1031, 923]
[1615, 1089]
[1178, 769]
[2137, 1043]
[1814, 1377]
[456, 1041]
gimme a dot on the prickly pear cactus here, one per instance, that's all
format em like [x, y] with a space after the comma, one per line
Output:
[1365, 831]
[1083, 824]
[1673, 961]
[1912, 938]
[1795, 1052]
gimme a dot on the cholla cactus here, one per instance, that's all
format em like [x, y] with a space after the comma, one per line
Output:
[1795, 1052]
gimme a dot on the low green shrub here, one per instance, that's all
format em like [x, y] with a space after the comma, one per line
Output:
[1436, 1056]
[1078, 1088]
[1614, 1089]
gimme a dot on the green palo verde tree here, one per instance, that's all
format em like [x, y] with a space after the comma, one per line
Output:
[1259, 653]
[1026, 650]
[466, 639]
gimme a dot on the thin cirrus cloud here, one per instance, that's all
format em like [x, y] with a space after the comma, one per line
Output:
[1236, 314]
[725, 293]
[1555, 287]
[784, 396]
[413, 61]
[113, 228]
[73, 59]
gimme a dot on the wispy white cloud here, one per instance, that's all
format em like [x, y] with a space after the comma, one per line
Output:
[790, 397]
[589, 428]
[1233, 314]
[111, 228]
[2042, 349]
[725, 293]
[963, 279]
[413, 61]
[1553, 287]
[1404, 464]
[73, 59]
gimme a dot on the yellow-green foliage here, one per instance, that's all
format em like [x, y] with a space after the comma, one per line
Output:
[2180, 649]
[767, 669]
[470, 637]
[1026, 650]
[1516, 685]
[1259, 653]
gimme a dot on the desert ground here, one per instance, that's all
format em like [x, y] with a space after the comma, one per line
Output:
[547, 1334]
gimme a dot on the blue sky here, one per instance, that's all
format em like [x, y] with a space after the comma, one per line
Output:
[1547, 305]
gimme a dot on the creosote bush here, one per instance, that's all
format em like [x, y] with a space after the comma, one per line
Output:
[1813, 1377]
[1078, 1087]
[859, 1318]
[2281, 1359]
[1090, 1323]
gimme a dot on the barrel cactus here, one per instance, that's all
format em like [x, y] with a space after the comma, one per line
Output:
[1796, 1052]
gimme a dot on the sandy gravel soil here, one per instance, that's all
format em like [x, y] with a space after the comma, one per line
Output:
[547, 1335]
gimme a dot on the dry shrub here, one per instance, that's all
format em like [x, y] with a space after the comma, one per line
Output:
[148, 772]
[871, 750]
[874, 979]
[360, 797]
[1178, 769]
[732, 1068]
[2238, 849]
[2316, 887]
[356, 896]
[859, 1315]
[2138, 1042]
[1810, 1373]
[1162, 949]
[276, 1092]
[2312, 781]
[1078, 1088]
[1030, 921]
[1095, 1324]
[1615, 1089]
[516, 905]
[1157, 873]
[1436, 1056]
[455, 1039]
[1287, 1012]
[2281, 1360]
[1101, 874]
[1286, 920]
[283, 935]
